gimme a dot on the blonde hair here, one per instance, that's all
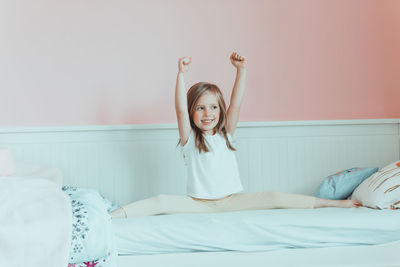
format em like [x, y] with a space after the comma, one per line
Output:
[193, 95]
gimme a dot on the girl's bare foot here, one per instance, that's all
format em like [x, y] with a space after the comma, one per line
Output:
[347, 203]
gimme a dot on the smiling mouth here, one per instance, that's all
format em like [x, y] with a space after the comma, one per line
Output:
[207, 121]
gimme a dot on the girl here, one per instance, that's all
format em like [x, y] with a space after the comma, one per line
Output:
[206, 128]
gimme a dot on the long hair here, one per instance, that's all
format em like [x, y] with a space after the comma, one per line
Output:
[193, 95]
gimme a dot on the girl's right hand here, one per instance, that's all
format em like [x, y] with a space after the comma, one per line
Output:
[183, 64]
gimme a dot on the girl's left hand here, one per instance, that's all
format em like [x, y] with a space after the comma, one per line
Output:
[237, 60]
[183, 64]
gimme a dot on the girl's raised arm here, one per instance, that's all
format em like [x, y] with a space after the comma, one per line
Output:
[181, 102]
[237, 93]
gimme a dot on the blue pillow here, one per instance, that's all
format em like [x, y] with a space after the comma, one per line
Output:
[340, 185]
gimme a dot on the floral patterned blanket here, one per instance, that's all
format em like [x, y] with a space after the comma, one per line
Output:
[92, 243]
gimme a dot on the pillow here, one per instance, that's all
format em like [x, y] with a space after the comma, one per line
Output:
[340, 185]
[41, 171]
[7, 166]
[381, 190]
[92, 236]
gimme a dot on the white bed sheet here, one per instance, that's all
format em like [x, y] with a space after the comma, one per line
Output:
[260, 230]
[386, 255]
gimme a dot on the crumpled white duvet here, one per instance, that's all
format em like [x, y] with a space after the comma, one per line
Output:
[35, 223]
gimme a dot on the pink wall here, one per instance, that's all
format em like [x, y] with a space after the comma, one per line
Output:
[115, 62]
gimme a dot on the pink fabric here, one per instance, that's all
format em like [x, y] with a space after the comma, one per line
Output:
[7, 167]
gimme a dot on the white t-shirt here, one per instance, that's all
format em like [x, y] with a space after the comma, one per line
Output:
[213, 174]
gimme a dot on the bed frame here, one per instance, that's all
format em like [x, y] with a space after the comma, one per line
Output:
[131, 162]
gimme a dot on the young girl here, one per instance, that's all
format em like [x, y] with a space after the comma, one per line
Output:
[206, 128]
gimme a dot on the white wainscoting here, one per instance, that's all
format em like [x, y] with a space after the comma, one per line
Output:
[131, 162]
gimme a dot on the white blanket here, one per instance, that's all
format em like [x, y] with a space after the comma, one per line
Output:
[35, 223]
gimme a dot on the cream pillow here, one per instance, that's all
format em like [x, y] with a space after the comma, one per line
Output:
[381, 190]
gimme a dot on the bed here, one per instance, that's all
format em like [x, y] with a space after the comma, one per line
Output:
[121, 164]
[249, 236]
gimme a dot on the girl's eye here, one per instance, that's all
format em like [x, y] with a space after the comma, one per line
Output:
[215, 107]
[199, 108]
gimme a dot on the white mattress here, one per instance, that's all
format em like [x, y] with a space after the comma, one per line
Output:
[251, 231]
[361, 256]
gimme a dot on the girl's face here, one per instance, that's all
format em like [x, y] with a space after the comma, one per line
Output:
[206, 113]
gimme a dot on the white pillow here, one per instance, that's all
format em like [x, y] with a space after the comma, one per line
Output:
[31, 170]
[381, 190]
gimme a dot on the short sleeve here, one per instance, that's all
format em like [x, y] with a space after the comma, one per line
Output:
[186, 148]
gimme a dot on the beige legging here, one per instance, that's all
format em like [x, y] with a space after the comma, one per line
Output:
[168, 204]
